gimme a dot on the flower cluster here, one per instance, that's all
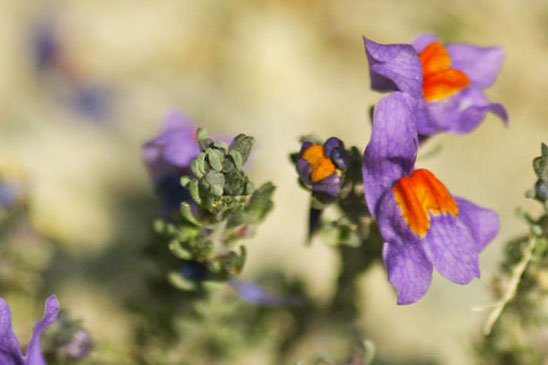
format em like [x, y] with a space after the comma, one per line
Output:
[435, 88]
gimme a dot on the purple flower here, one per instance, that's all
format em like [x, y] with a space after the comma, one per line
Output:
[321, 167]
[422, 223]
[448, 81]
[10, 353]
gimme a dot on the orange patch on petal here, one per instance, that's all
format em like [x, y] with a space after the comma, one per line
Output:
[439, 79]
[419, 194]
[321, 166]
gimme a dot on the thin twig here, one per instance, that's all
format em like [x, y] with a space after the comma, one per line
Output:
[512, 287]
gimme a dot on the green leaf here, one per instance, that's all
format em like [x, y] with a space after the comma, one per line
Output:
[215, 159]
[186, 212]
[216, 183]
[243, 145]
[179, 251]
[198, 165]
[185, 180]
[194, 190]
[237, 159]
[261, 203]
[201, 134]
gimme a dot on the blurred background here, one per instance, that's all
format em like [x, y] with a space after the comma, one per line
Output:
[84, 83]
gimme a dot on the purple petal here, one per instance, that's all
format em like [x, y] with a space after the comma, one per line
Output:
[482, 223]
[331, 185]
[408, 270]
[449, 245]
[459, 114]
[394, 67]
[10, 354]
[423, 40]
[34, 354]
[392, 150]
[481, 64]
[180, 146]
[174, 148]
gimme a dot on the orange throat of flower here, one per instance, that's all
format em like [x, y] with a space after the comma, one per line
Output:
[321, 166]
[439, 80]
[419, 194]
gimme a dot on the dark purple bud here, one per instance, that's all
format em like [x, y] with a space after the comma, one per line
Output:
[321, 167]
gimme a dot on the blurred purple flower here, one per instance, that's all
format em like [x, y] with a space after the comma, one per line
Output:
[422, 223]
[253, 293]
[71, 85]
[448, 81]
[79, 346]
[10, 194]
[10, 353]
[45, 45]
[321, 167]
[90, 99]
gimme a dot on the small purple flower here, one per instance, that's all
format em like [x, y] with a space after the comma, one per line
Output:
[448, 81]
[321, 167]
[422, 223]
[10, 353]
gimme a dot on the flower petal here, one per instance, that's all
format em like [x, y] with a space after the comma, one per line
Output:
[408, 268]
[483, 223]
[392, 150]
[394, 67]
[10, 354]
[450, 246]
[34, 354]
[173, 148]
[181, 146]
[481, 64]
[423, 40]
[459, 114]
